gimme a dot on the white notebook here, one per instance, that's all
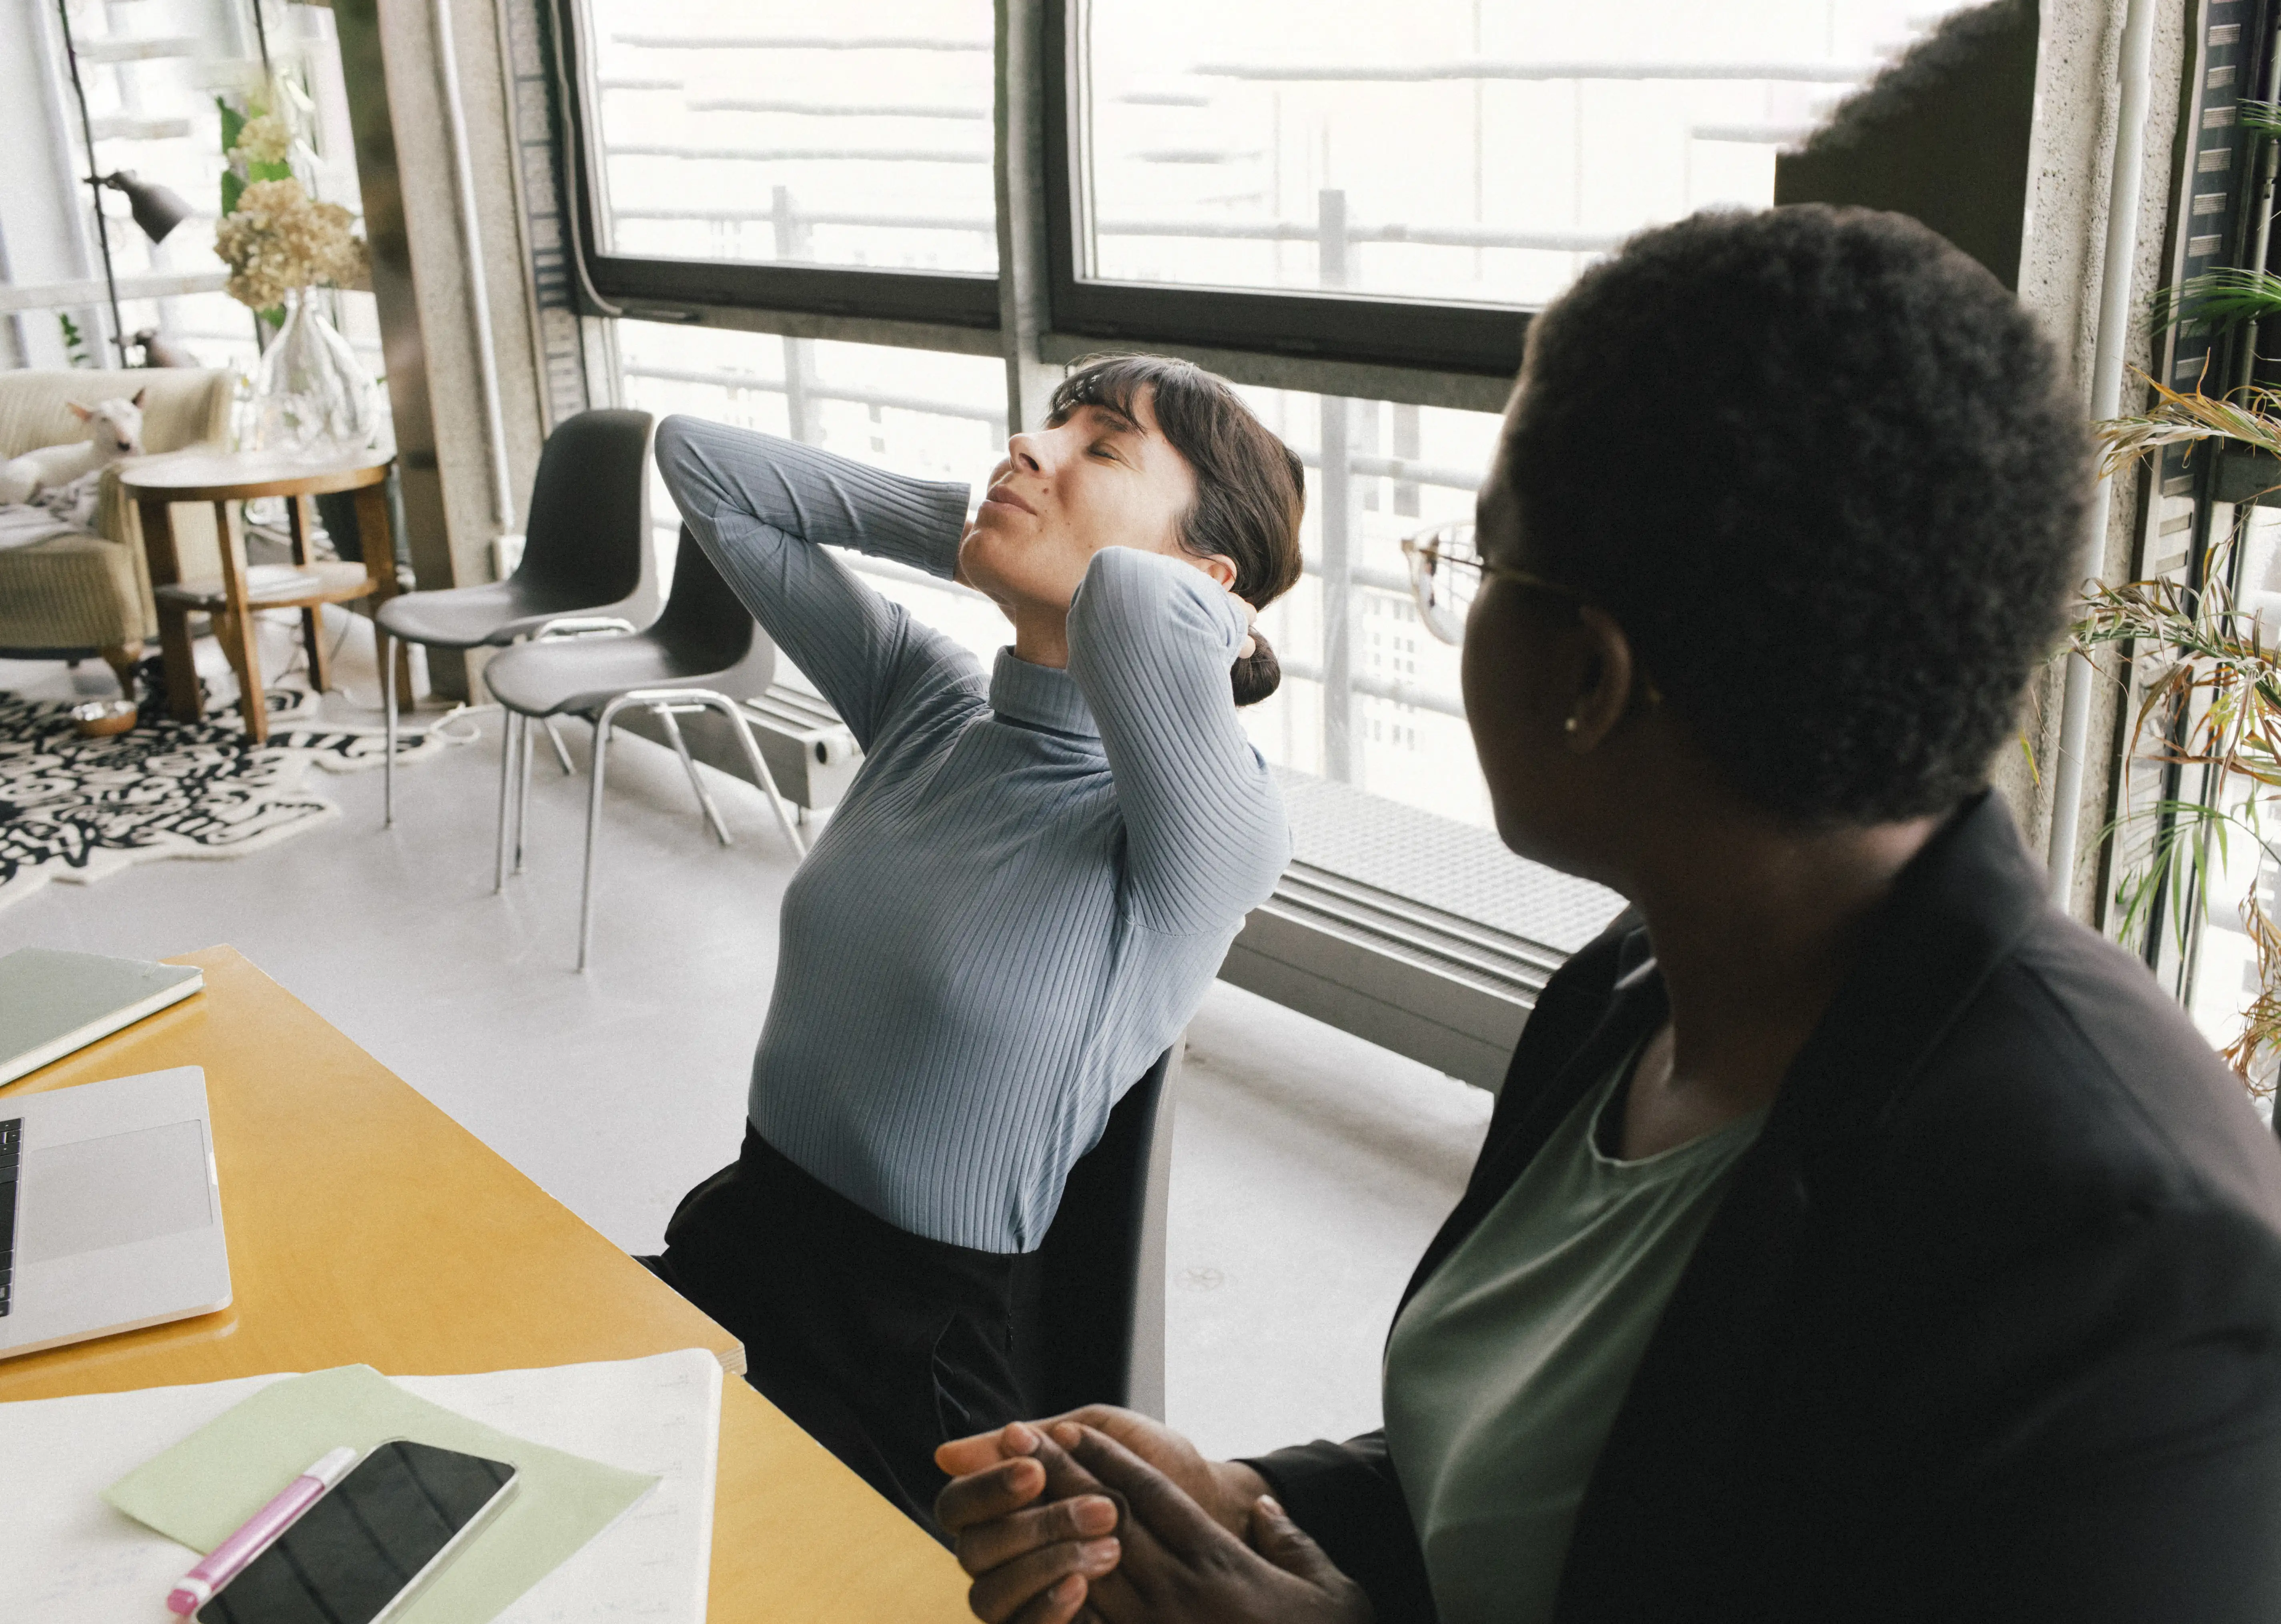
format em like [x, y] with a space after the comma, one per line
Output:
[53, 1002]
[67, 1558]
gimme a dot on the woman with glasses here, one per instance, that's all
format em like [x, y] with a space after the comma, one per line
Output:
[1446, 570]
[1022, 898]
[1857, 1237]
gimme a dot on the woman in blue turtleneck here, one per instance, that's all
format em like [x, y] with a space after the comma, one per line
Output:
[1020, 902]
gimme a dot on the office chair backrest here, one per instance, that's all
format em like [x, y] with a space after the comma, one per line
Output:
[587, 539]
[706, 629]
[1101, 1272]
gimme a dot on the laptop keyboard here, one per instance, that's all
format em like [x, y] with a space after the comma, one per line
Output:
[12, 1157]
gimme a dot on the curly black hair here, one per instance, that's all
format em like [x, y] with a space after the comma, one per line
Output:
[1821, 468]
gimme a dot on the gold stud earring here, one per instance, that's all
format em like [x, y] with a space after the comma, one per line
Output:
[1572, 725]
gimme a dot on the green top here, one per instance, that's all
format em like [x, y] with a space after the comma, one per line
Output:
[1505, 1371]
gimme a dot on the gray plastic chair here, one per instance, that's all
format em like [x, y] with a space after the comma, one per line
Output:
[586, 559]
[1100, 1331]
[703, 654]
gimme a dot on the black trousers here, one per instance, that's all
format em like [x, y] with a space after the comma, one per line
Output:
[878, 1344]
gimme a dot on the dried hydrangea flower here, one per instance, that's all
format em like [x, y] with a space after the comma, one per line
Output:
[277, 241]
[264, 140]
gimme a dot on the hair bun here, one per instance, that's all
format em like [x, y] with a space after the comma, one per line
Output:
[1257, 674]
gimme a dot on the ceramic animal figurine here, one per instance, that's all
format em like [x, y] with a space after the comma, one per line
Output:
[111, 429]
[158, 352]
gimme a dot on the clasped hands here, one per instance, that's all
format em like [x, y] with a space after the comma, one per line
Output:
[1106, 1516]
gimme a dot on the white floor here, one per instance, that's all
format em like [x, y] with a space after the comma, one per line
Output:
[1310, 1167]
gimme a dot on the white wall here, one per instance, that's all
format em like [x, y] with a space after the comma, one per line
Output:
[41, 237]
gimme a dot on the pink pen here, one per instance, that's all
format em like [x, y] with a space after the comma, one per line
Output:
[222, 1564]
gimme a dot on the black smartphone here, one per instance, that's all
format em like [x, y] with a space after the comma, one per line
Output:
[360, 1552]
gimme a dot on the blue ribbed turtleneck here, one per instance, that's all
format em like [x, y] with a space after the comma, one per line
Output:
[1032, 880]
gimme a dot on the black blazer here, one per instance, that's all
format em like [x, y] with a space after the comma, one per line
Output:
[1988, 1325]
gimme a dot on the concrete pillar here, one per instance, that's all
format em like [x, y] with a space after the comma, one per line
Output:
[2061, 250]
[419, 255]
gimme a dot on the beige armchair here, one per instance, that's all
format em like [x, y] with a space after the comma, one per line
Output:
[78, 595]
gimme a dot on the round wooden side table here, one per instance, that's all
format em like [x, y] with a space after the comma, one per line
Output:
[222, 478]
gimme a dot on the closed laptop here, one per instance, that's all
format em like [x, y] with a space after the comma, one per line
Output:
[53, 1002]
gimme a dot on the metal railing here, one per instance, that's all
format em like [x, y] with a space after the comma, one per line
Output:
[1336, 567]
[70, 294]
[864, 564]
[759, 383]
[1549, 70]
[1549, 239]
[800, 41]
[1340, 572]
[808, 154]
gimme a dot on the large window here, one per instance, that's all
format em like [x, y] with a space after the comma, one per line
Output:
[1448, 150]
[1450, 156]
[1394, 184]
[728, 151]
[859, 138]
[933, 416]
[2191, 895]
[1383, 713]
[1348, 207]
[1369, 697]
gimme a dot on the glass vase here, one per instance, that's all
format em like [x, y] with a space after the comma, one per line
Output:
[310, 398]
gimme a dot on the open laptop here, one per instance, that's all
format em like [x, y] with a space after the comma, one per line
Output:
[110, 1210]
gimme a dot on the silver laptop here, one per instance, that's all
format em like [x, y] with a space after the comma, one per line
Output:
[110, 1210]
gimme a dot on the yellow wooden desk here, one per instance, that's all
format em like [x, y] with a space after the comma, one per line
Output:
[365, 1226]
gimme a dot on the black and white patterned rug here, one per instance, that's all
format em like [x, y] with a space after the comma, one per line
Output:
[81, 809]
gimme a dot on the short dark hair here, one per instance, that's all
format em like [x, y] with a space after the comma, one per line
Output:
[1251, 488]
[1821, 468]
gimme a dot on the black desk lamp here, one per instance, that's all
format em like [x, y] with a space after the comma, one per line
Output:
[156, 210]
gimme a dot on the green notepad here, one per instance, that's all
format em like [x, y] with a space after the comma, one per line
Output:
[203, 1488]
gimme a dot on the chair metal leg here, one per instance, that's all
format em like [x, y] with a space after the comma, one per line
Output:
[710, 699]
[562, 750]
[759, 763]
[388, 705]
[522, 797]
[657, 699]
[509, 722]
[664, 713]
[602, 725]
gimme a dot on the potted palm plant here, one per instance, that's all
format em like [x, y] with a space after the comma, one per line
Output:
[2208, 665]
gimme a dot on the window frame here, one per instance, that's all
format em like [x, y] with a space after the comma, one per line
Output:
[1460, 342]
[1450, 990]
[963, 299]
[1429, 335]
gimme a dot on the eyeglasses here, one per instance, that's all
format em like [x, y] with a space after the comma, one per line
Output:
[1446, 568]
